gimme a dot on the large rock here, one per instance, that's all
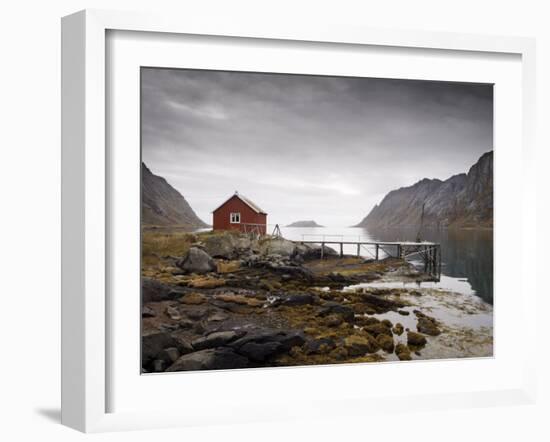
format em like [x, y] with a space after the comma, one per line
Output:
[153, 344]
[259, 345]
[385, 342]
[360, 345]
[221, 246]
[197, 261]
[210, 359]
[295, 299]
[278, 246]
[331, 307]
[416, 339]
[260, 351]
[426, 324]
[320, 346]
[378, 329]
[155, 291]
[216, 339]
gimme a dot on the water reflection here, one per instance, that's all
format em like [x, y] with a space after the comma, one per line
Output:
[465, 253]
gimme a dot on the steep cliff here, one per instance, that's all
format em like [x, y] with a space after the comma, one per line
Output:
[464, 200]
[162, 205]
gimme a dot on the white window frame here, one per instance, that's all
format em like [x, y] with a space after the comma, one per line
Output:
[234, 215]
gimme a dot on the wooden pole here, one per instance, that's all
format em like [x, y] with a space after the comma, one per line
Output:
[358, 250]
[341, 249]
[322, 250]
[376, 248]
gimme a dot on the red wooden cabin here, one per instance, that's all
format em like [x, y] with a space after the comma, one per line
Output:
[239, 213]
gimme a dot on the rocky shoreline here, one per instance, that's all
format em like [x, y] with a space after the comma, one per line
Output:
[225, 300]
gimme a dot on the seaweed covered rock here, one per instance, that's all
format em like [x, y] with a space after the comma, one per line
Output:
[260, 345]
[426, 324]
[416, 339]
[403, 352]
[359, 345]
[319, 346]
[331, 308]
[398, 329]
[385, 342]
[378, 329]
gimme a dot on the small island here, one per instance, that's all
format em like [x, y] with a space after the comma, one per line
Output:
[308, 223]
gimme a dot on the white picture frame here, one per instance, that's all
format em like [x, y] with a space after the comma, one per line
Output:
[86, 207]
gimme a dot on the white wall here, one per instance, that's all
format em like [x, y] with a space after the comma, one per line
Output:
[30, 221]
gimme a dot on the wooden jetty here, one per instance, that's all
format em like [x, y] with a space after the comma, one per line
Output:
[428, 252]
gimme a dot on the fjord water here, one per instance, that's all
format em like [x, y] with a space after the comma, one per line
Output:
[467, 254]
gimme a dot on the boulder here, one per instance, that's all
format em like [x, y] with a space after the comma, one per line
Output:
[378, 329]
[385, 342]
[210, 359]
[197, 261]
[319, 346]
[169, 355]
[285, 338]
[216, 339]
[260, 351]
[155, 291]
[278, 246]
[357, 345]
[152, 344]
[398, 329]
[333, 320]
[428, 326]
[403, 352]
[332, 307]
[221, 246]
[416, 339]
[294, 299]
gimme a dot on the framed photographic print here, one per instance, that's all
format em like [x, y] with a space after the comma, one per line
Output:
[250, 213]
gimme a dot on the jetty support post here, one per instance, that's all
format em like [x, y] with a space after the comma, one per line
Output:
[322, 250]
[358, 250]
[341, 249]
[376, 247]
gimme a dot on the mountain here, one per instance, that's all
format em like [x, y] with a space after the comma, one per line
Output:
[309, 223]
[162, 205]
[464, 200]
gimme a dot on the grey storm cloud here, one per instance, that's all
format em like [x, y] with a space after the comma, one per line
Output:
[307, 147]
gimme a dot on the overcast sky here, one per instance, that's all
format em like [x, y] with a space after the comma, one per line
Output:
[307, 147]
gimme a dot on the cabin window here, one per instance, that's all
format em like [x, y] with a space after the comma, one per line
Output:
[235, 218]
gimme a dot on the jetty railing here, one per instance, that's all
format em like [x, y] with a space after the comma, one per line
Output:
[428, 252]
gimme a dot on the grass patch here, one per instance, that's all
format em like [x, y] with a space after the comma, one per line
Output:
[157, 245]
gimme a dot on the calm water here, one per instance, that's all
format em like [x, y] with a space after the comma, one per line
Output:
[467, 255]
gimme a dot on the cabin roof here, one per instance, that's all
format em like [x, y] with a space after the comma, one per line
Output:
[245, 200]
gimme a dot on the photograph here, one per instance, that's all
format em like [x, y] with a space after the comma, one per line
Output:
[297, 220]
